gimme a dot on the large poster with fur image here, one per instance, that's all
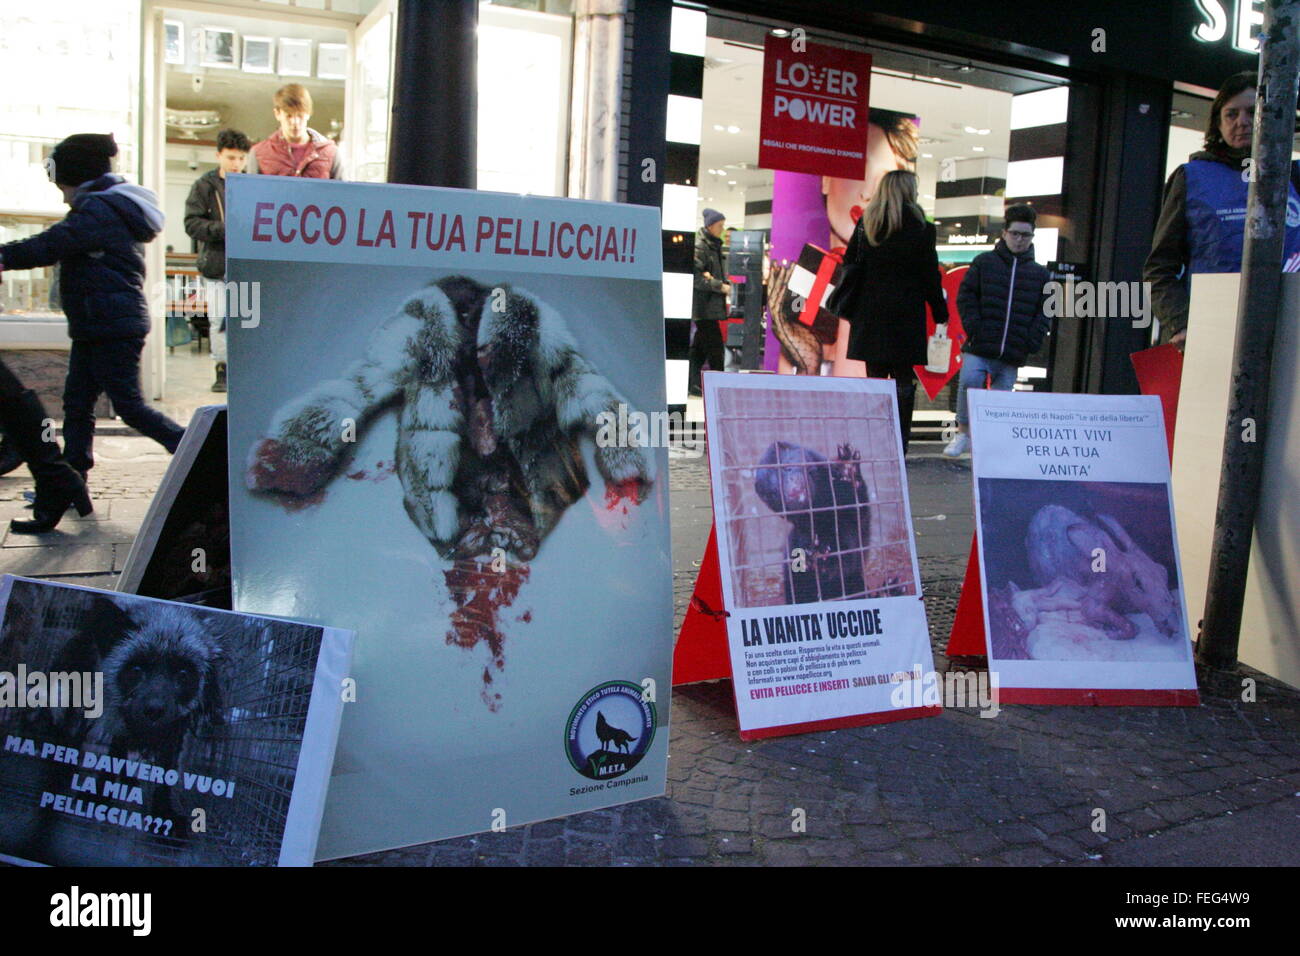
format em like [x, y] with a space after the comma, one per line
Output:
[440, 437]
[145, 732]
[825, 623]
[1082, 587]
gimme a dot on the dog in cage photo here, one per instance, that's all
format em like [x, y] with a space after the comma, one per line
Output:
[825, 503]
[161, 679]
[813, 496]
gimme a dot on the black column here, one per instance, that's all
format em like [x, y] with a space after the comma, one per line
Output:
[433, 139]
[646, 88]
[1134, 126]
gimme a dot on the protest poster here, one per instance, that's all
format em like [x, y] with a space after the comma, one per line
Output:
[146, 732]
[825, 623]
[440, 437]
[1083, 595]
[182, 550]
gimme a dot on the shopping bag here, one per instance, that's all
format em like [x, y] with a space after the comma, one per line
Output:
[938, 351]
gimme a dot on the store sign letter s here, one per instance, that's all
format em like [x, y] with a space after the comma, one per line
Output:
[1215, 26]
[1249, 17]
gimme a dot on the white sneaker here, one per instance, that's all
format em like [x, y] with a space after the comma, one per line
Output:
[958, 446]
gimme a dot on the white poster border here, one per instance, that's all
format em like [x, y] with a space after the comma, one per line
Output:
[1149, 466]
[903, 613]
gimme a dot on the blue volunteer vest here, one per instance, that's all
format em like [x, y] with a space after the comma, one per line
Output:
[1216, 216]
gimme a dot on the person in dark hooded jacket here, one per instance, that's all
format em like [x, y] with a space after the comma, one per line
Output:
[99, 247]
[1002, 303]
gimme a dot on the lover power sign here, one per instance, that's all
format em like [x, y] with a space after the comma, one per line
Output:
[814, 108]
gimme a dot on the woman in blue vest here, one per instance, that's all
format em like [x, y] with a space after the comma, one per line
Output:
[1202, 222]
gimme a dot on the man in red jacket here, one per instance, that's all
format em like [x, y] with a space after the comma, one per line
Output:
[295, 149]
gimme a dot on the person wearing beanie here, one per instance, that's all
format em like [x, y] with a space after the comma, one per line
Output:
[99, 247]
[709, 303]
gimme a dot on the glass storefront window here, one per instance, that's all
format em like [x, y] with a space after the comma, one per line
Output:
[374, 71]
[66, 68]
[48, 55]
[523, 100]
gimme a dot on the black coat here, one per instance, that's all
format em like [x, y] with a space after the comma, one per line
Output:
[709, 301]
[1002, 323]
[205, 222]
[886, 310]
[99, 246]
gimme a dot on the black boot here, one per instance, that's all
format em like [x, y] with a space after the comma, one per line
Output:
[9, 457]
[220, 384]
[57, 484]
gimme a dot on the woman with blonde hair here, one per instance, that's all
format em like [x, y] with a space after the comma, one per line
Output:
[893, 250]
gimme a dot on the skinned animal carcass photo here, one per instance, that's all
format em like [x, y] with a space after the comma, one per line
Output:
[1071, 582]
[494, 401]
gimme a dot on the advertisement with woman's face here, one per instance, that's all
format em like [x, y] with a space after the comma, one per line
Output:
[822, 211]
[846, 198]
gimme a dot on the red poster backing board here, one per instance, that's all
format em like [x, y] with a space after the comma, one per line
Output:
[701, 651]
[967, 638]
[814, 108]
[701, 654]
[1160, 372]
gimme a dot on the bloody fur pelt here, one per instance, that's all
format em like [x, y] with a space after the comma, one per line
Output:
[493, 401]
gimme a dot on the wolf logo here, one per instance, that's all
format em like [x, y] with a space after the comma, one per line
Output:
[607, 734]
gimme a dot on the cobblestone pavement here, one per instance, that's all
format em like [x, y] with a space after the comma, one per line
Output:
[1217, 784]
[90, 550]
[1210, 785]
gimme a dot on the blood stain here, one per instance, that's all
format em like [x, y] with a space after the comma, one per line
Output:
[479, 594]
[383, 470]
[271, 468]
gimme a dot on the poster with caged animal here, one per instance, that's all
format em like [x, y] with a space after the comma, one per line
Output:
[140, 732]
[825, 623]
[1079, 564]
[420, 451]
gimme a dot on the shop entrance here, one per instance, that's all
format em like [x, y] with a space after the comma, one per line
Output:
[978, 136]
[217, 66]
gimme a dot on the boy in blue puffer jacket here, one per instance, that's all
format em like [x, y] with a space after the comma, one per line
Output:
[99, 246]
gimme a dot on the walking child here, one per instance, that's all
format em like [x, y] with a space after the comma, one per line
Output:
[99, 247]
